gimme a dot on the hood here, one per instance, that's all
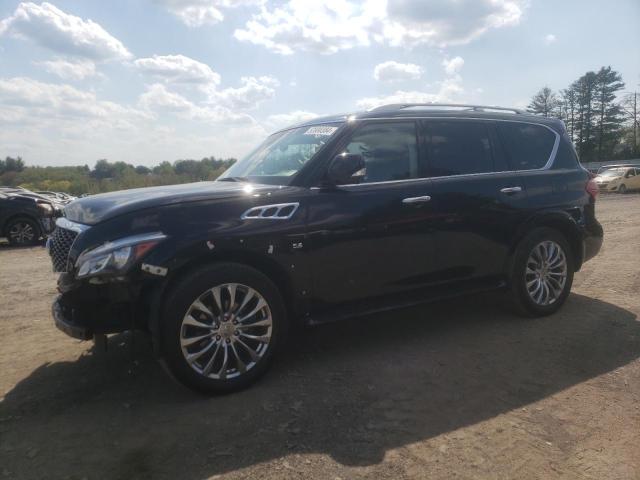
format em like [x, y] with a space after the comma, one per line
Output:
[97, 208]
[608, 178]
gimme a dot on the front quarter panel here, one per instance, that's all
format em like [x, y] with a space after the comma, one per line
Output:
[206, 231]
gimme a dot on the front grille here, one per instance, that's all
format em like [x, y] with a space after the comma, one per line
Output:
[59, 245]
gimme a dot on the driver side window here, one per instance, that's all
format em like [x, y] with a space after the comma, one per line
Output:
[390, 150]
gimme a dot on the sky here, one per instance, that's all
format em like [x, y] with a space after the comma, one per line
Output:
[144, 81]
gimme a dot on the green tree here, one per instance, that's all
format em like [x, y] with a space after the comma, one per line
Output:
[609, 116]
[544, 103]
[10, 164]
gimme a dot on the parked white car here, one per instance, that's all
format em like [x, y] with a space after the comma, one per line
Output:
[620, 179]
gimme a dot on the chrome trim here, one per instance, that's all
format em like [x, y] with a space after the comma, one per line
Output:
[276, 216]
[511, 190]
[414, 200]
[477, 108]
[547, 166]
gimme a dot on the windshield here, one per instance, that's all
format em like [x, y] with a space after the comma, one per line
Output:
[613, 172]
[281, 155]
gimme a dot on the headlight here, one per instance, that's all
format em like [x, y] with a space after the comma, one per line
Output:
[115, 258]
[45, 208]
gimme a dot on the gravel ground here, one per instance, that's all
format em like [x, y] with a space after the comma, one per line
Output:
[457, 389]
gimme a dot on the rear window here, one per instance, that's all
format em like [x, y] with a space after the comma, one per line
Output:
[527, 146]
[565, 156]
[458, 148]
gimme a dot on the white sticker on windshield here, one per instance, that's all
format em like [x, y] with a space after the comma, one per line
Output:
[321, 130]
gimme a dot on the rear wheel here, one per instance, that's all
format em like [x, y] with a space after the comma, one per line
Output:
[223, 323]
[23, 231]
[542, 272]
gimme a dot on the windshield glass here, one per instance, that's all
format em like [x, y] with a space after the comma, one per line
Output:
[281, 155]
[613, 172]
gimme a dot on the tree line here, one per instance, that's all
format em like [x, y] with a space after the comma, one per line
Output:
[601, 119]
[108, 176]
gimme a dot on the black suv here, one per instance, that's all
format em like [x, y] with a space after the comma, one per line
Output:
[332, 218]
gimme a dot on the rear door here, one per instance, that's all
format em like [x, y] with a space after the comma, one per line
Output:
[477, 202]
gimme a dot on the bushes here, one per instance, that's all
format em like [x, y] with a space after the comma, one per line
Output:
[109, 176]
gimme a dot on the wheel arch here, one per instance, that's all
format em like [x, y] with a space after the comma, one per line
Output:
[155, 296]
[561, 221]
[16, 216]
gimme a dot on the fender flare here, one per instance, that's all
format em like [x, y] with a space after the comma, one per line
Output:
[559, 220]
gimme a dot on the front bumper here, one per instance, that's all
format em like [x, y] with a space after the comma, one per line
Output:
[83, 310]
[62, 319]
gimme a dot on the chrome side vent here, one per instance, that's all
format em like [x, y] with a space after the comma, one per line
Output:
[278, 211]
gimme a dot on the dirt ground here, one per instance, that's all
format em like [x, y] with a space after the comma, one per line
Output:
[457, 389]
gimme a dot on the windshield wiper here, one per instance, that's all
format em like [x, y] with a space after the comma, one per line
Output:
[234, 179]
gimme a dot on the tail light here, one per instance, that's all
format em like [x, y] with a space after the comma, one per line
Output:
[592, 187]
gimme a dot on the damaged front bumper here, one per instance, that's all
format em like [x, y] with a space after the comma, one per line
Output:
[83, 310]
[62, 317]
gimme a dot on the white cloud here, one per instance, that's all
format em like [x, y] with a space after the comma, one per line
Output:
[283, 120]
[63, 33]
[158, 99]
[331, 26]
[253, 92]
[321, 27]
[400, 96]
[448, 90]
[48, 100]
[178, 69]
[70, 69]
[181, 70]
[444, 22]
[59, 124]
[196, 13]
[393, 71]
[453, 66]
[549, 38]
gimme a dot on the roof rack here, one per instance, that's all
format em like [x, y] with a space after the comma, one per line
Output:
[466, 107]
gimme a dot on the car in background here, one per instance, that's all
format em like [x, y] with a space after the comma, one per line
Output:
[618, 179]
[26, 217]
[59, 197]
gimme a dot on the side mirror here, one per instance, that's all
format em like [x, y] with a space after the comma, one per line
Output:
[344, 167]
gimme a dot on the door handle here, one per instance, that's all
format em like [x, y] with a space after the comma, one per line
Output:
[510, 190]
[413, 200]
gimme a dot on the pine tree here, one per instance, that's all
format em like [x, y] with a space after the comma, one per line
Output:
[569, 110]
[544, 103]
[609, 116]
[585, 88]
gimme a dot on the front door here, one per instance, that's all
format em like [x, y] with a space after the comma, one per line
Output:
[373, 238]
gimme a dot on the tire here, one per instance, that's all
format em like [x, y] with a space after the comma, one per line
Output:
[22, 232]
[244, 332]
[622, 189]
[556, 280]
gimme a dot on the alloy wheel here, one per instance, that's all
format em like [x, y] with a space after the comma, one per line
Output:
[21, 232]
[546, 273]
[226, 331]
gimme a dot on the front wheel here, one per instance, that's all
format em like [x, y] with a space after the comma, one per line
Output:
[622, 189]
[542, 272]
[23, 232]
[222, 325]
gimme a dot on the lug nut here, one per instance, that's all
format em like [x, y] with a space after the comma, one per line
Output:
[236, 333]
[217, 337]
[228, 341]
